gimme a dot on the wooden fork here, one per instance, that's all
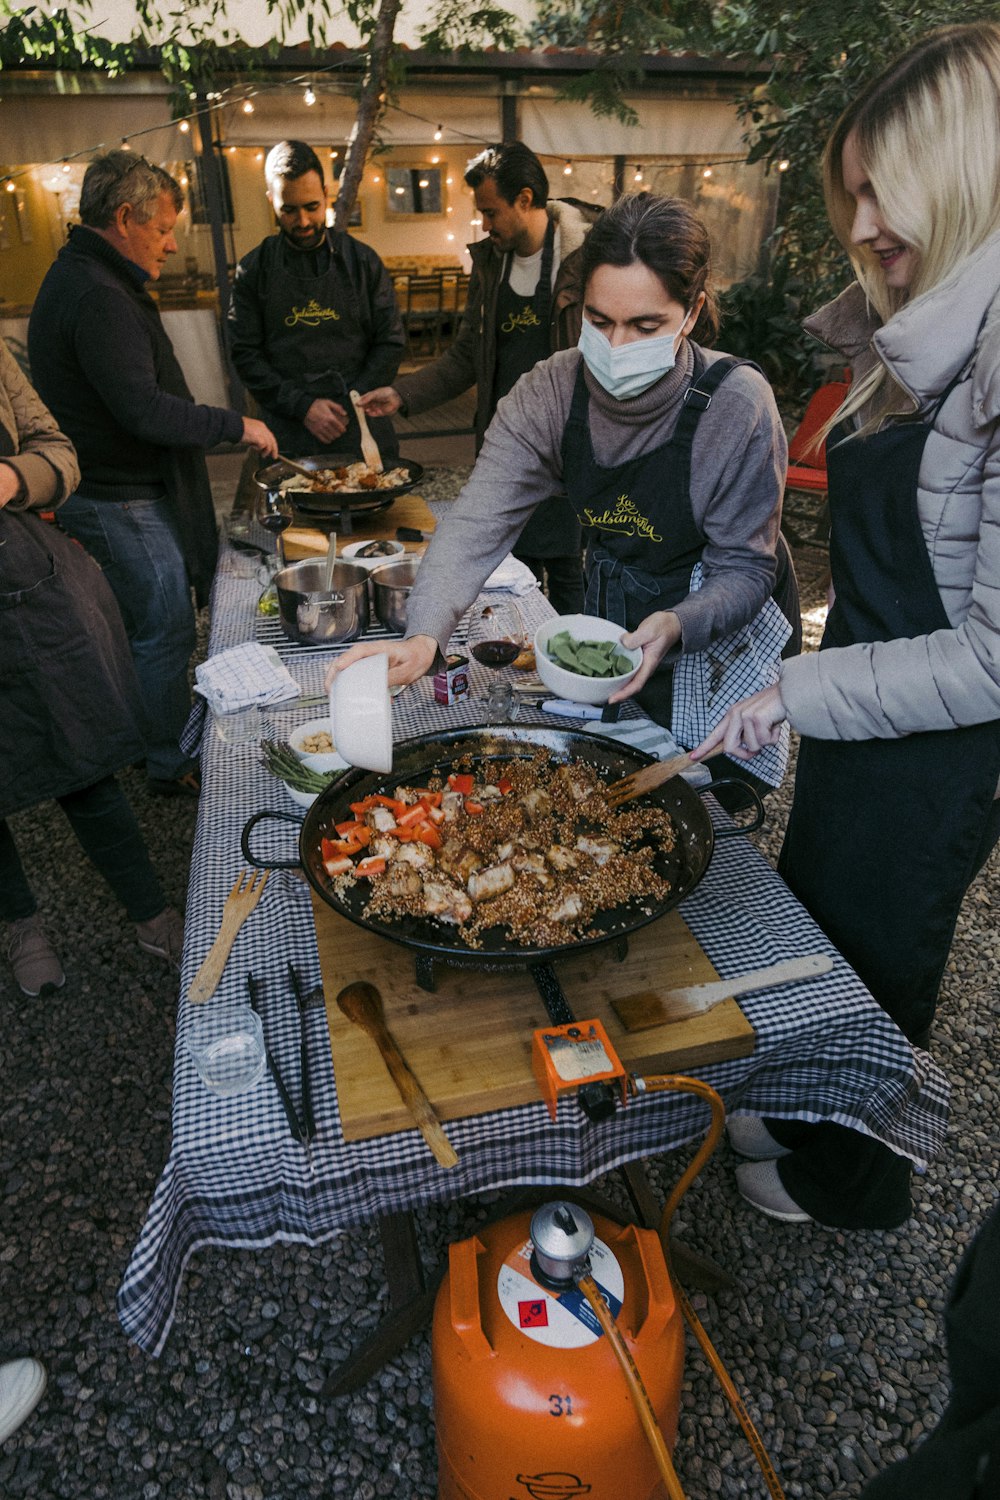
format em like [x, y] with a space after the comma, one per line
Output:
[646, 779]
[369, 447]
[240, 903]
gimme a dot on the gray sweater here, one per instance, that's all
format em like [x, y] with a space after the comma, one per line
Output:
[737, 477]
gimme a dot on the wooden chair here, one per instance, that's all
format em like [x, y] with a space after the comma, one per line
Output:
[423, 313]
[806, 462]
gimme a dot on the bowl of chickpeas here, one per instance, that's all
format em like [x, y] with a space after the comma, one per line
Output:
[313, 744]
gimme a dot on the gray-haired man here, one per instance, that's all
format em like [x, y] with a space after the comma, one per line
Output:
[103, 363]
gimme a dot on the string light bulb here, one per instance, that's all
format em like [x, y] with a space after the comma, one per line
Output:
[435, 160]
[334, 155]
[65, 165]
[125, 144]
[184, 127]
[248, 106]
[568, 169]
[259, 156]
[783, 165]
[309, 97]
[423, 182]
[638, 174]
[707, 172]
[232, 150]
[10, 185]
[437, 133]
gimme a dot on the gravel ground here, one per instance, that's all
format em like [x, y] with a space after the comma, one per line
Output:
[835, 1339]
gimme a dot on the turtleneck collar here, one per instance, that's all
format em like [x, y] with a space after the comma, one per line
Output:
[665, 393]
[90, 242]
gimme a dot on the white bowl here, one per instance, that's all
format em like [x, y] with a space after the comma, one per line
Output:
[350, 553]
[573, 685]
[327, 760]
[361, 712]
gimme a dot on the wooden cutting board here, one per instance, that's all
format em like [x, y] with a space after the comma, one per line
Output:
[408, 510]
[469, 1043]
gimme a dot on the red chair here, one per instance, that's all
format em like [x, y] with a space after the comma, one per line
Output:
[806, 462]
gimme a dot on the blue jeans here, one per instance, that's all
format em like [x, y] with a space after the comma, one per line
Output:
[137, 546]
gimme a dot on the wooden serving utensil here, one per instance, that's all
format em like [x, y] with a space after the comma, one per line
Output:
[642, 1012]
[362, 1004]
[646, 779]
[369, 447]
[240, 902]
[290, 463]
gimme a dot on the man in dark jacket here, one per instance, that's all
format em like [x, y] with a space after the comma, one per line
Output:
[103, 364]
[525, 303]
[313, 317]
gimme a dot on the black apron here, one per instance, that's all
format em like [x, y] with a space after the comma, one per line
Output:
[884, 836]
[524, 339]
[315, 336]
[644, 540]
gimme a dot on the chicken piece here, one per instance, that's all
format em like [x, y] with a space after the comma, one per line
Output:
[460, 861]
[383, 848]
[532, 864]
[484, 885]
[380, 819]
[446, 902]
[574, 781]
[405, 793]
[416, 854]
[451, 804]
[505, 850]
[568, 907]
[489, 794]
[537, 804]
[561, 858]
[402, 880]
[600, 850]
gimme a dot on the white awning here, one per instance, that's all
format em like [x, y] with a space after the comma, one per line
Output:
[698, 128]
[47, 129]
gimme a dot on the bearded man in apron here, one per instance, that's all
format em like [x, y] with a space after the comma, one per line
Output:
[313, 317]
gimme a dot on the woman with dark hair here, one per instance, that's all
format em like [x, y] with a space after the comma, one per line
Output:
[673, 457]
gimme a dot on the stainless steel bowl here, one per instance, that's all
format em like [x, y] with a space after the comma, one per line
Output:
[391, 584]
[314, 616]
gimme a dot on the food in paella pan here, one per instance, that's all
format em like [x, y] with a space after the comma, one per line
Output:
[524, 845]
[350, 479]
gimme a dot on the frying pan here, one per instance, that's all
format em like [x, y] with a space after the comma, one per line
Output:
[416, 759]
[316, 503]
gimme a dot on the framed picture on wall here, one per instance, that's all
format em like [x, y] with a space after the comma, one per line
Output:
[23, 215]
[413, 190]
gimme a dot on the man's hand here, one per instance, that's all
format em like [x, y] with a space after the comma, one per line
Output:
[747, 727]
[260, 437]
[326, 420]
[408, 659]
[655, 634]
[381, 402]
[10, 484]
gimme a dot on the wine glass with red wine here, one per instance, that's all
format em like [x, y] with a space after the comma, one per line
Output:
[274, 512]
[496, 637]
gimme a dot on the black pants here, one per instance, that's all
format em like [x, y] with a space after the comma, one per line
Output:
[961, 1458]
[561, 578]
[105, 825]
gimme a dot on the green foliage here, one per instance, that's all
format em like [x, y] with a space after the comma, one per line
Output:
[761, 320]
[454, 27]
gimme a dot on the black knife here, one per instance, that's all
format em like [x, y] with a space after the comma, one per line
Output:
[308, 1121]
[291, 1115]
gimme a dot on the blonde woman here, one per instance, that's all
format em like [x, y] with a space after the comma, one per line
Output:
[895, 804]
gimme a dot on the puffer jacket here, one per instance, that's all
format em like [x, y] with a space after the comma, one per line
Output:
[950, 677]
[68, 692]
[471, 359]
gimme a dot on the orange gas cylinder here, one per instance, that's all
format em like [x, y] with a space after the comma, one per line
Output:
[530, 1402]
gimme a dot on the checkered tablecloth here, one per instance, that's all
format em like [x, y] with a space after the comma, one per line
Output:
[235, 1175]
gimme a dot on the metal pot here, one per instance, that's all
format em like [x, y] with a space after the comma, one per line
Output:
[414, 760]
[315, 616]
[391, 584]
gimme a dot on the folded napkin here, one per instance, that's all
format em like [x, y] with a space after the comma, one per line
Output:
[512, 577]
[636, 731]
[245, 674]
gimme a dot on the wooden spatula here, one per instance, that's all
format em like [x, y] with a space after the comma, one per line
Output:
[290, 463]
[369, 447]
[642, 1012]
[362, 1004]
[646, 779]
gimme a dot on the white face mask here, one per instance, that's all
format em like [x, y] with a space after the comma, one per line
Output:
[631, 368]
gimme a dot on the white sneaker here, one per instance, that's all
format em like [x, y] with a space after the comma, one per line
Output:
[22, 1382]
[759, 1183]
[749, 1136]
[32, 957]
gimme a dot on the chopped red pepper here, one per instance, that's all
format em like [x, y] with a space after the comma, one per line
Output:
[346, 830]
[366, 868]
[504, 785]
[412, 816]
[461, 783]
[428, 834]
[337, 866]
[473, 808]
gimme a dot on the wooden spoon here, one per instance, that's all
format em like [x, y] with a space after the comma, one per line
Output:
[362, 1004]
[369, 447]
[290, 463]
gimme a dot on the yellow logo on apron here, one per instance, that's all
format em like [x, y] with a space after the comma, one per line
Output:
[625, 517]
[312, 315]
[527, 318]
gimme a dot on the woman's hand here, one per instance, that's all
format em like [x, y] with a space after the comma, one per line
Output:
[382, 401]
[747, 727]
[10, 484]
[408, 659]
[655, 634]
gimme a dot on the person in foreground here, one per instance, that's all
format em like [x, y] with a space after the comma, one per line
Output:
[69, 697]
[313, 317]
[895, 806]
[525, 301]
[667, 483]
[104, 365]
